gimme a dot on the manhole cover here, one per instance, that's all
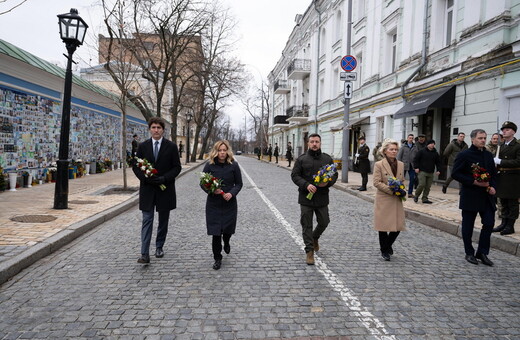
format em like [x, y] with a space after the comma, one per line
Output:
[83, 202]
[33, 218]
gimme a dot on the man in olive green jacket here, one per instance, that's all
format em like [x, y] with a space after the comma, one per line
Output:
[451, 152]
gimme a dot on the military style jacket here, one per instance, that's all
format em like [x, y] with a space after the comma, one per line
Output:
[509, 170]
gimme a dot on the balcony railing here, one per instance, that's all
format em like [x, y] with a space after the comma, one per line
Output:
[299, 69]
[281, 87]
[280, 120]
[298, 111]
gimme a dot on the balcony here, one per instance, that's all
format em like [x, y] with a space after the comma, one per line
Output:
[298, 114]
[299, 69]
[280, 121]
[281, 87]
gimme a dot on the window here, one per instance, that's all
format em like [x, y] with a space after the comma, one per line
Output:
[359, 67]
[338, 26]
[393, 52]
[361, 9]
[321, 92]
[448, 21]
[323, 41]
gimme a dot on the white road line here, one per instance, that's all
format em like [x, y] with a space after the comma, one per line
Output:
[371, 323]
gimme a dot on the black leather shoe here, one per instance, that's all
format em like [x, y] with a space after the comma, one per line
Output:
[391, 251]
[416, 199]
[227, 248]
[159, 253]
[485, 260]
[444, 189]
[217, 264]
[144, 259]
[427, 202]
[362, 189]
[385, 256]
[471, 259]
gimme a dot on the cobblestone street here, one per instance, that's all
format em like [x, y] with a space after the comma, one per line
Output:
[93, 287]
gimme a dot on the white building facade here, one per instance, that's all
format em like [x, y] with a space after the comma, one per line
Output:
[437, 67]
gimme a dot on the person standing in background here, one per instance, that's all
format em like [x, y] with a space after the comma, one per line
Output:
[288, 154]
[181, 148]
[276, 152]
[452, 150]
[135, 145]
[425, 162]
[363, 164]
[406, 155]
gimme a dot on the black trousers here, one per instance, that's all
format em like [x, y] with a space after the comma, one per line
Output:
[306, 219]
[216, 245]
[364, 179]
[386, 239]
[468, 223]
[509, 208]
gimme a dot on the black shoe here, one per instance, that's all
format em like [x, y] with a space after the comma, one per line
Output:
[159, 253]
[501, 226]
[427, 202]
[227, 248]
[362, 189]
[391, 251]
[144, 259]
[444, 189]
[471, 259]
[507, 231]
[416, 199]
[385, 256]
[485, 260]
[217, 264]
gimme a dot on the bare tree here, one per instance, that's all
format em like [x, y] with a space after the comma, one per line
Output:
[14, 6]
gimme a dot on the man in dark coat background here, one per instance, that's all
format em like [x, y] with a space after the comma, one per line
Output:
[476, 197]
[362, 162]
[164, 157]
[135, 145]
[304, 168]
[425, 162]
[452, 150]
[508, 187]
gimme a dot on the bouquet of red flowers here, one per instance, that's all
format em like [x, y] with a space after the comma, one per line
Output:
[147, 169]
[323, 175]
[210, 183]
[479, 173]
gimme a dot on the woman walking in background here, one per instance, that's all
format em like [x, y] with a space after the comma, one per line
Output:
[221, 206]
[388, 208]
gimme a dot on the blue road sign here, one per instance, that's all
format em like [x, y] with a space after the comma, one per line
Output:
[348, 63]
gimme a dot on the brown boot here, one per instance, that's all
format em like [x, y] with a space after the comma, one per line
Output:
[310, 257]
[315, 244]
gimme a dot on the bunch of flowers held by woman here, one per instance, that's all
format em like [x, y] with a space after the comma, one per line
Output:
[148, 170]
[479, 173]
[324, 175]
[397, 187]
[210, 183]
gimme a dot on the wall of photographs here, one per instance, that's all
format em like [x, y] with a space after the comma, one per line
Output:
[30, 132]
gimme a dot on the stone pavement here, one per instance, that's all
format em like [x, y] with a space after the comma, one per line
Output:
[443, 214]
[38, 230]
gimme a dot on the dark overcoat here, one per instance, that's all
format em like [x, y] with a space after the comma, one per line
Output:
[168, 165]
[473, 197]
[509, 170]
[221, 215]
[304, 168]
[288, 153]
[363, 164]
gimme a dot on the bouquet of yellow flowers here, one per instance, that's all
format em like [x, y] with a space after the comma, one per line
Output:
[397, 188]
[324, 175]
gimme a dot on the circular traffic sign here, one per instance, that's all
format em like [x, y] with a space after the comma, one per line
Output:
[348, 63]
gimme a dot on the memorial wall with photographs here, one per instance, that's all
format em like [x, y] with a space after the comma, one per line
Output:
[30, 128]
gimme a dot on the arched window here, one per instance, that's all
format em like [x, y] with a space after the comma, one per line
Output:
[339, 26]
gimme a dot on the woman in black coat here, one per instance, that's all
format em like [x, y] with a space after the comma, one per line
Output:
[221, 206]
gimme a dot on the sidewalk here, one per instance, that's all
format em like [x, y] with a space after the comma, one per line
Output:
[443, 214]
[30, 228]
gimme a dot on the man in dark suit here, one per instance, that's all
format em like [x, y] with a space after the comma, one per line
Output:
[508, 188]
[476, 195]
[164, 157]
[363, 164]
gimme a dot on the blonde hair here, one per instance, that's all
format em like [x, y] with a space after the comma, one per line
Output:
[386, 143]
[214, 152]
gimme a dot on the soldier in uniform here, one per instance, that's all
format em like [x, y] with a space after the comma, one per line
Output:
[508, 188]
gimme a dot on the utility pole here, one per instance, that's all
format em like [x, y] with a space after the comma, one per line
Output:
[348, 63]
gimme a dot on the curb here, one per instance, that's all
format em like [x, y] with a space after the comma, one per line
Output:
[16, 264]
[506, 244]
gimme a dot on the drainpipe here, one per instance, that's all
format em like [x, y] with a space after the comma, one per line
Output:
[423, 59]
[317, 67]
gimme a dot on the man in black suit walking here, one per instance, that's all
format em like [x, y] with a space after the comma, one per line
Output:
[476, 195]
[164, 157]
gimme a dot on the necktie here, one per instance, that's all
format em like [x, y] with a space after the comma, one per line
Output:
[156, 150]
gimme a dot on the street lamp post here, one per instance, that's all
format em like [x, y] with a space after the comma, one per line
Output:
[189, 117]
[72, 31]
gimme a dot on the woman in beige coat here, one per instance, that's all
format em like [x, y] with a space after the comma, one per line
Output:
[388, 208]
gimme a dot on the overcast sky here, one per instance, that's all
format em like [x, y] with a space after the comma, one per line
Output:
[263, 29]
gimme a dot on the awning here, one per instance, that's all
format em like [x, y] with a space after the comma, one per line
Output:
[351, 122]
[443, 98]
